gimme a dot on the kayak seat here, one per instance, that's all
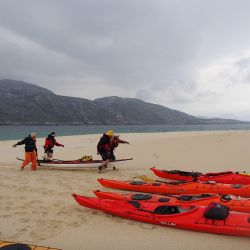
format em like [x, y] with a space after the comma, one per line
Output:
[193, 197]
[164, 199]
[219, 173]
[141, 197]
[156, 183]
[183, 173]
[202, 196]
[176, 183]
[206, 195]
[237, 185]
[185, 198]
[162, 210]
[136, 204]
[225, 197]
[137, 182]
[209, 182]
[196, 174]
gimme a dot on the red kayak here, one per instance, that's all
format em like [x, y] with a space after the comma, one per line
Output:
[234, 203]
[178, 188]
[228, 177]
[212, 219]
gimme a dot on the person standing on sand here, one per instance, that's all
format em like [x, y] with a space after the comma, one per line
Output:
[103, 148]
[50, 142]
[30, 150]
[114, 143]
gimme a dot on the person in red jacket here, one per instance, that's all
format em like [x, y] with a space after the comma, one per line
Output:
[114, 142]
[50, 142]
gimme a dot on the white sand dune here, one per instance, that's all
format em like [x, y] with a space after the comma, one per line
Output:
[37, 206]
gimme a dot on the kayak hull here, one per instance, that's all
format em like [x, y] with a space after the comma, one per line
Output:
[185, 217]
[183, 188]
[234, 203]
[78, 164]
[227, 177]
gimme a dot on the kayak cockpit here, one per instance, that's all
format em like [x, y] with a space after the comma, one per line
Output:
[161, 209]
[195, 197]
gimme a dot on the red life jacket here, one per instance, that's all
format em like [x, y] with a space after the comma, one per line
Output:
[50, 142]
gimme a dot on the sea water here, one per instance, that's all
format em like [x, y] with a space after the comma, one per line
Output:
[14, 132]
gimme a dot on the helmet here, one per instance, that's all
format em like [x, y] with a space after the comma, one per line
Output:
[33, 134]
[109, 133]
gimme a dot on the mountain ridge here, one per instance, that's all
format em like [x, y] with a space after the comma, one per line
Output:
[29, 104]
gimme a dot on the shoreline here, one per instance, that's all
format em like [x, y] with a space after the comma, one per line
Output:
[16, 132]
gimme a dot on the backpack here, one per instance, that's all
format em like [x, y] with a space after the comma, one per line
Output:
[216, 211]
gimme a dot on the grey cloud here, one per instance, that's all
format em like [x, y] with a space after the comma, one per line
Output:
[243, 63]
[208, 96]
[124, 43]
[136, 47]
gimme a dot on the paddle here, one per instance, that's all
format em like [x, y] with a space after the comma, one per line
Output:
[146, 178]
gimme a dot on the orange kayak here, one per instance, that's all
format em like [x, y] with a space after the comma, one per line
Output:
[214, 219]
[228, 177]
[179, 188]
[234, 203]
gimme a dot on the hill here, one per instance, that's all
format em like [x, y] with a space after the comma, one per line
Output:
[25, 103]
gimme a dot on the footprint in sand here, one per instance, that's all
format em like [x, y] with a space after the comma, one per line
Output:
[147, 226]
[75, 224]
[58, 203]
[117, 219]
[81, 210]
[35, 202]
[24, 188]
[44, 213]
[81, 219]
[5, 216]
[155, 156]
[16, 236]
[45, 230]
[45, 192]
[19, 213]
[9, 203]
[132, 223]
[24, 220]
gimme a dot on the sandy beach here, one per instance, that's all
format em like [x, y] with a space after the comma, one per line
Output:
[36, 207]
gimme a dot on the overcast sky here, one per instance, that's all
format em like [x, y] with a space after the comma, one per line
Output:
[190, 55]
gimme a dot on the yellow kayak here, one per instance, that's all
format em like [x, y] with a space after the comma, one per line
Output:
[5, 244]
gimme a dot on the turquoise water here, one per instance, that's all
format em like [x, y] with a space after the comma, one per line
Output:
[13, 132]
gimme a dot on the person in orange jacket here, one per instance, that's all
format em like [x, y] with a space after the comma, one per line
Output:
[30, 150]
[50, 142]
